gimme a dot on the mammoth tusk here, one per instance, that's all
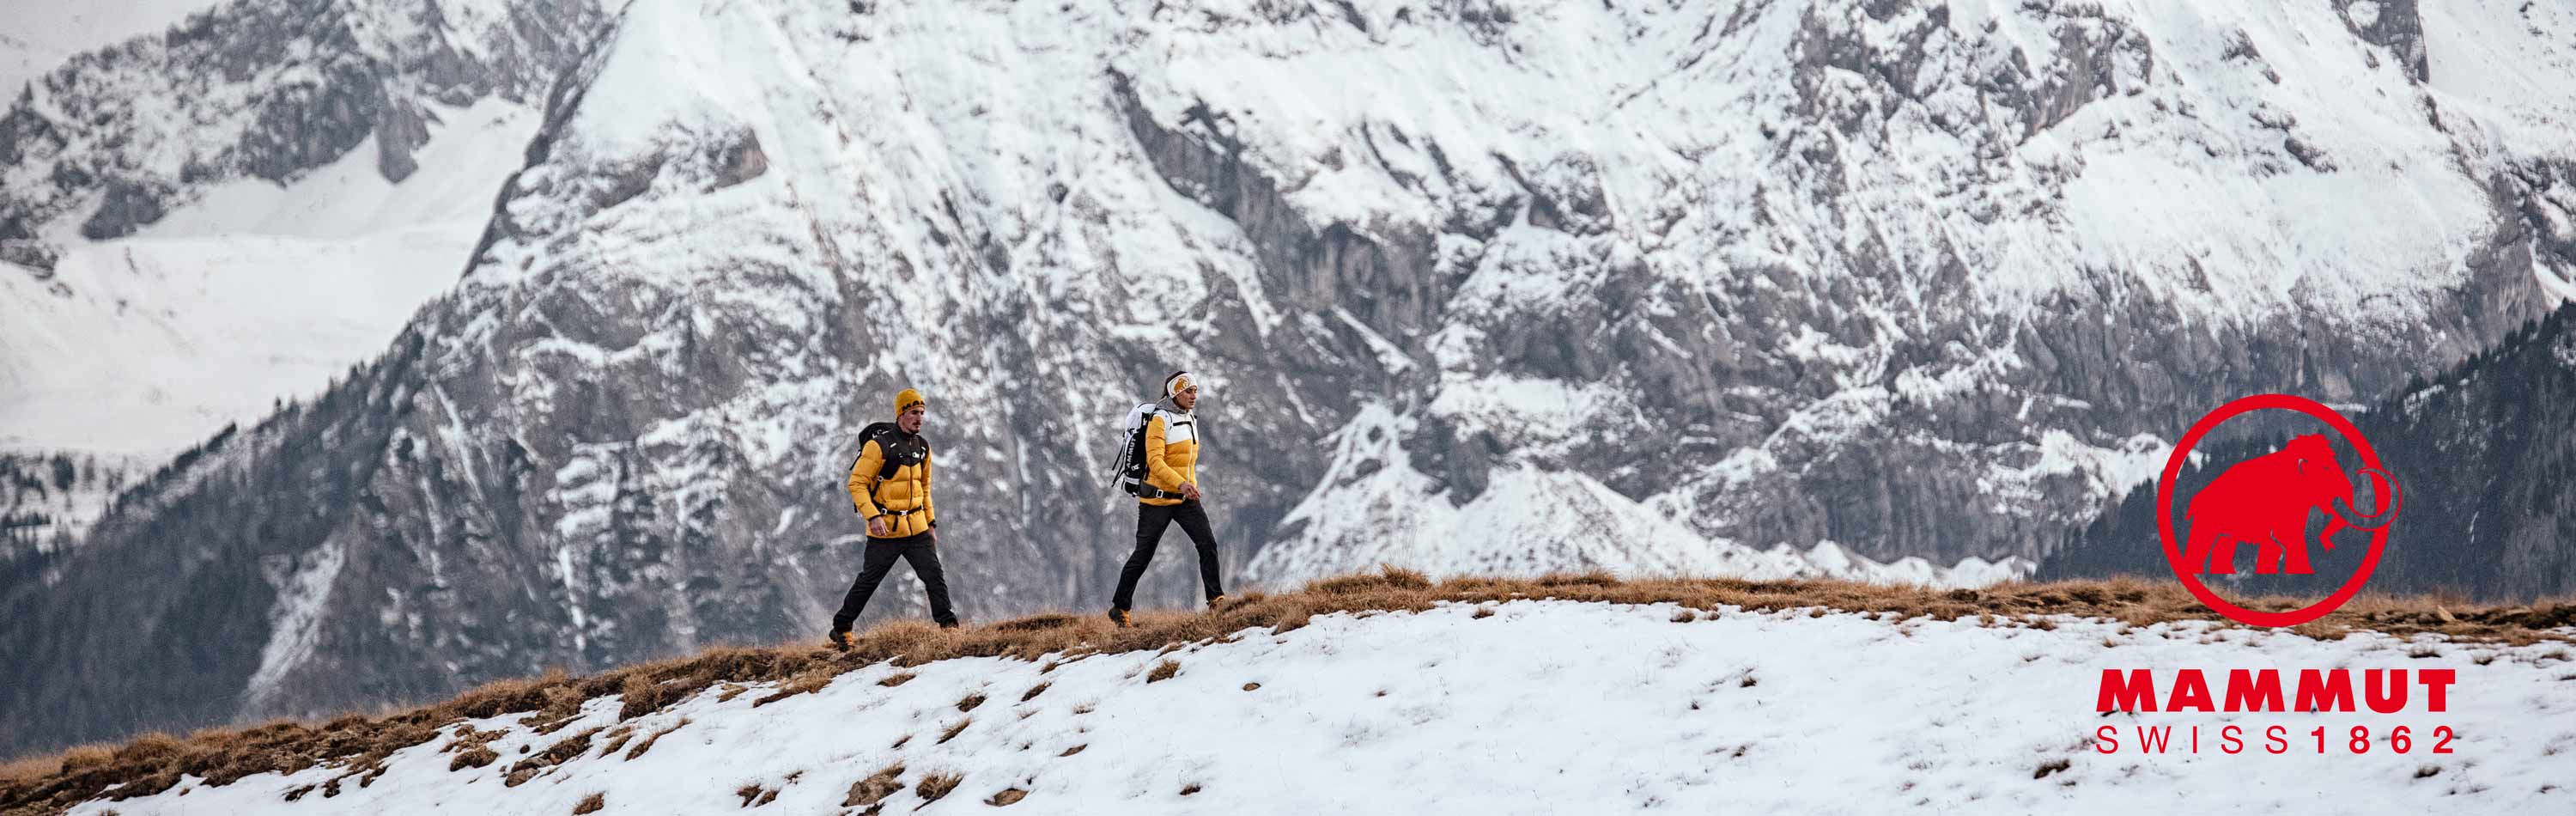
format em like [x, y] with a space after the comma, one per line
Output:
[2388, 507]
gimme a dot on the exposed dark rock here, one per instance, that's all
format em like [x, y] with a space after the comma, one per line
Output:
[124, 207]
[400, 130]
[2396, 26]
[31, 254]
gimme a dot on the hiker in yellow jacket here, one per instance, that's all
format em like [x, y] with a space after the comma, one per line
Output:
[1169, 493]
[890, 486]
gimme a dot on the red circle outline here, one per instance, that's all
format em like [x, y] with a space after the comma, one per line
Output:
[2173, 469]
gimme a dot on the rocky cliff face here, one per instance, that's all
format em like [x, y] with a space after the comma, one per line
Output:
[1947, 275]
[199, 222]
[1765, 288]
[41, 496]
[114, 139]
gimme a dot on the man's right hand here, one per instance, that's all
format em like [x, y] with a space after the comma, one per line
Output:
[1189, 490]
[878, 527]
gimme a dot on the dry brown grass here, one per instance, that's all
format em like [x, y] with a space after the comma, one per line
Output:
[753, 795]
[590, 804]
[473, 749]
[31, 768]
[617, 738]
[811, 681]
[1008, 796]
[1035, 623]
[936, 785]
[647, 744]
[1163, 671]
[562, 751]
[876, 787]
[359, 744]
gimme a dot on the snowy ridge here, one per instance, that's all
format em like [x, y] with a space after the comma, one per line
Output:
[229, 207]
[41, 34]
[1378, 510]
[134, 348]
[258, 292]
[1501, 709]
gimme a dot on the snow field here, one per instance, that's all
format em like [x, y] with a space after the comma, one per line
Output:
[1534, 707]
[141, 346]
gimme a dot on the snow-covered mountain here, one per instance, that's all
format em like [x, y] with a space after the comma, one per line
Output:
[1769, 287]
[1534, 707]
[147, 343]
[41, 34]
[202, 222]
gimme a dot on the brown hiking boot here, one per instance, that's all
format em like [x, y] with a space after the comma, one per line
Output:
[1121, 619]
[1217, 602]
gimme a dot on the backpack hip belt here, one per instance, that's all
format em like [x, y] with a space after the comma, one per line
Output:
[1148, 491]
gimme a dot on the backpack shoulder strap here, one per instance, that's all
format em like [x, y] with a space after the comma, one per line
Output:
[871, 433]
[886, 435]
[891, 467]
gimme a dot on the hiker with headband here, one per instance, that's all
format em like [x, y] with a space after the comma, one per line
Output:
[1160, 468]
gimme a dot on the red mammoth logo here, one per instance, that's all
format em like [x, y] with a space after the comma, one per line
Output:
[2266, 502]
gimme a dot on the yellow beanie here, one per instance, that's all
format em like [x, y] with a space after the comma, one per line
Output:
[905, 399]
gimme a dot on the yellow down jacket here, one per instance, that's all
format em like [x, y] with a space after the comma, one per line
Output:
[1171, 454]
[903, 496]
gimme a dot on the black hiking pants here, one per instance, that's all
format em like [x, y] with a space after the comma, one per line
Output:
[922, 549]
[1150, 521]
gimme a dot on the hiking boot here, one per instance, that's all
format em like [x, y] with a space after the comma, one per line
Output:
[1121, 618]
[840, 641]
[949, 625]
[1217, 602]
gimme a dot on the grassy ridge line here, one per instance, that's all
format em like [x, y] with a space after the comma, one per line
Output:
[359, 744]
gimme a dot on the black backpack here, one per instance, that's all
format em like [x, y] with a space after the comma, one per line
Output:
[1131, 455]
[885, 435]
